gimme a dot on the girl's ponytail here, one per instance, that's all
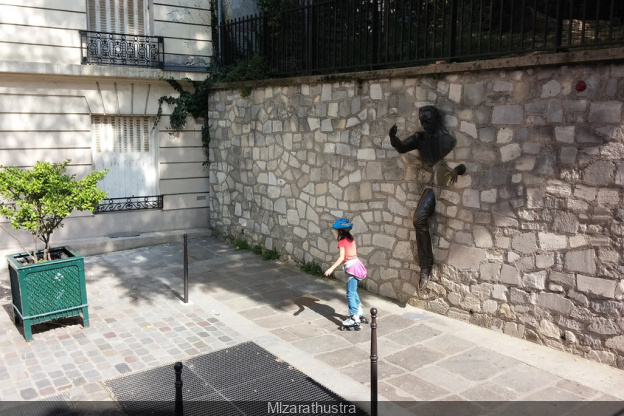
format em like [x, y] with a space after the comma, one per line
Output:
[345, 234]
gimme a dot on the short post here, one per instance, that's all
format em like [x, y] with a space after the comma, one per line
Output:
[373, 359]
[185, 269]
[178, 389]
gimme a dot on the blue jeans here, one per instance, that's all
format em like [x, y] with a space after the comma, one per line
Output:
[353, 299]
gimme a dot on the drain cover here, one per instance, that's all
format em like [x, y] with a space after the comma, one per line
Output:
[56, 405]
[241, 380]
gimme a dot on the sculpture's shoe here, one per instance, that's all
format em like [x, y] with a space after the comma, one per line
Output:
[424, 278]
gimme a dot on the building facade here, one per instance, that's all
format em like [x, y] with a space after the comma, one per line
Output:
[81, 80]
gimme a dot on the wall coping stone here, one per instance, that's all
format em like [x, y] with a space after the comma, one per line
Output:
[536, 59]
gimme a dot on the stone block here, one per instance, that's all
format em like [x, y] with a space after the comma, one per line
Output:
[583, 261]
[565, 134]
[524, 243]
[514, 329]
[604, 326]
[376, 92]
[487, 134]
[499, 292]
[482, 237]
[548, 329]
[387, 290]
[551, 241]
[469, 128]
[545, 260]
[535, 280]
[555, 302]
[510, 275]
[555, 111]
[507, 114]
[565, 222]
[599, 173]
[471, 198]
[616, 343]
[605, 112]
[551, 89]
[596, 286]
[565, 279]
[567, 155]
[465, 258]
[510, 152]
[490, 271]
[452, 197]
[455, 92]
[438, 306]
[474, 94]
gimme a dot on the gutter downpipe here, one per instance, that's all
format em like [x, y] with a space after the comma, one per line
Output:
[219, 23]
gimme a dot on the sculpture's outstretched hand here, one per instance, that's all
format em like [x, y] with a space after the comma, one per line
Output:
[394, 140]
[459, 170]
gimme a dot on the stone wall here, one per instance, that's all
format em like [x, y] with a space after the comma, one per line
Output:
[527, 242]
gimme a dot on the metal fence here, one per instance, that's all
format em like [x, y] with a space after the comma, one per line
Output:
[339, 35]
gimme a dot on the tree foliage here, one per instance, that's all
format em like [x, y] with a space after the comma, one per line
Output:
[39, 199]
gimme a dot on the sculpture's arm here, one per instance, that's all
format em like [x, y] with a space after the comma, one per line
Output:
[402, 146]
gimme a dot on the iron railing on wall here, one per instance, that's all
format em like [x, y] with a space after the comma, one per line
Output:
[337, 35]
[130, 203]
[104, 48]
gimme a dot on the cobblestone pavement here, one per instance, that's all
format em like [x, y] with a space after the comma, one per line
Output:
[138, 321]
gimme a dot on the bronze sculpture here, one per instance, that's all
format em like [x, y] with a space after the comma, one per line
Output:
[433, 144]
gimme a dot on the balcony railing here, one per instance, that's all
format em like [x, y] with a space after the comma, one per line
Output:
[130, 203]
[104, 48]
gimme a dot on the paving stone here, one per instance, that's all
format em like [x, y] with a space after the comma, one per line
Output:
[28, 394]
[448, 344]
[420, 388]
[478, 363]
[415, 357]
[524, 379]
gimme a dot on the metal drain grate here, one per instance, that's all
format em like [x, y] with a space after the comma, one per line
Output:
[56, 405]
[241, 380]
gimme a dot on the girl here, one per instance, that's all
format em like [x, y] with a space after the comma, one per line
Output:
[354, 270]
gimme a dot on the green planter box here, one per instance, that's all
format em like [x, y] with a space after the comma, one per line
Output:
[50, 290]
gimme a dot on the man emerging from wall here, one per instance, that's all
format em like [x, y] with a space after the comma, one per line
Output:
[433, 144]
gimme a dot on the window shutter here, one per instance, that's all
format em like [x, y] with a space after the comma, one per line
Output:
[122, 134]
[124, 145]
[118, 16]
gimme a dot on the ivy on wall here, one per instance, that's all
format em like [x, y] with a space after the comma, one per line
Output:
[195, 102]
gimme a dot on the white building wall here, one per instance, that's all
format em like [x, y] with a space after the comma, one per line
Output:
[47, 100]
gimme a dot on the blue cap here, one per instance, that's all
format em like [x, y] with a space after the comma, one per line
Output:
[341, 224]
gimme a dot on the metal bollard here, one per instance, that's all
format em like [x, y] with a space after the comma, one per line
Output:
[373, 359]
[185, 269]
[178, 389]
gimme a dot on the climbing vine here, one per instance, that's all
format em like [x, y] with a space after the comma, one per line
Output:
[194, 103]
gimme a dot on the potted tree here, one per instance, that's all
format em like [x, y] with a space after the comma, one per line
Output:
[49, 283]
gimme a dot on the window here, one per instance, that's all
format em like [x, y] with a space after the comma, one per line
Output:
[119, 16]
[125, 146]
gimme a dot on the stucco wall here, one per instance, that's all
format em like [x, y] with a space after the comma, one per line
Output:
[50, 120]
[48, 31]
[527, 242]
[185, 24]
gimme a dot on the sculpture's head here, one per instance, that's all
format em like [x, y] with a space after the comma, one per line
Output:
[429, 118]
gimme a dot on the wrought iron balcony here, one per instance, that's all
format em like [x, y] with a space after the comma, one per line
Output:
[104, 48]
[130, 203]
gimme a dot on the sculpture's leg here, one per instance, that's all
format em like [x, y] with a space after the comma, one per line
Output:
[426, 207]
